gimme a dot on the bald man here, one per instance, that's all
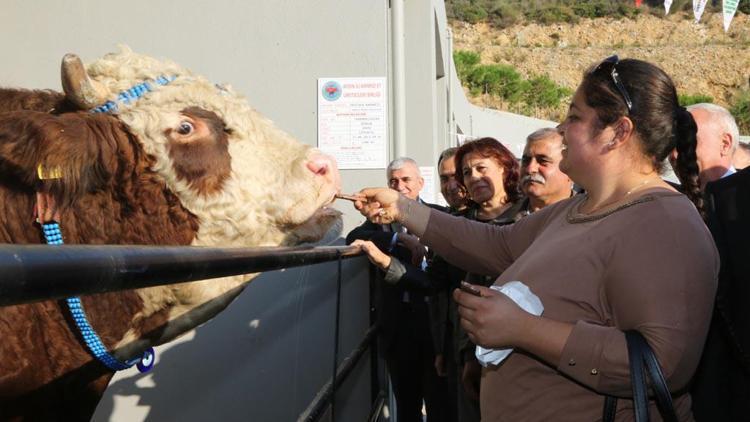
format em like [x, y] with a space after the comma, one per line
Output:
[718, 137]
[721, 384]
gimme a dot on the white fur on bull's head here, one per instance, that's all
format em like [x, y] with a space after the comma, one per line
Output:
[270, 197]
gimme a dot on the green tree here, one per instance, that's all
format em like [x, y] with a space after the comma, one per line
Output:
[740, 109]
[497, 79]
[690, 99]
[465, 62]
[504, 82]
[469, 11]
[543, 92]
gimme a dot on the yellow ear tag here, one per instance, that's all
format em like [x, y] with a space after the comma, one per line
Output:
[53, 173]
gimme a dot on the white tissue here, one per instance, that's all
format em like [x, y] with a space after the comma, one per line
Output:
[529, 302]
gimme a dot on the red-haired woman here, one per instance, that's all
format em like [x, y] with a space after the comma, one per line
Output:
[490, 173]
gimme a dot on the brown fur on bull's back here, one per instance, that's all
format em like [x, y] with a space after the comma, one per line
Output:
[111, 197]
[46, 100]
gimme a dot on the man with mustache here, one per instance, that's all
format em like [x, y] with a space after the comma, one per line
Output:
[542, 181]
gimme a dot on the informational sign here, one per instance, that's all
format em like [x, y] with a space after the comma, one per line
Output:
[352, 124]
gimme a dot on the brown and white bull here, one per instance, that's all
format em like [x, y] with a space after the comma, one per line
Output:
[189, 163]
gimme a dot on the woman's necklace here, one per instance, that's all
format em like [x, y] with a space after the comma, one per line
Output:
[607, 204]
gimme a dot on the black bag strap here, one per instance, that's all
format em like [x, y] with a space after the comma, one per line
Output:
[643, 363]
[610, 408]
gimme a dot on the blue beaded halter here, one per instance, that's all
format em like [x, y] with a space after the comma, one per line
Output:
[53, 236]
[131, 95]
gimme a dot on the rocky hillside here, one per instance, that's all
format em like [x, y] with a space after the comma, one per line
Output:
[701, 58]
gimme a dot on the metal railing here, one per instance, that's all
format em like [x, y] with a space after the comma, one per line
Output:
[30, 273]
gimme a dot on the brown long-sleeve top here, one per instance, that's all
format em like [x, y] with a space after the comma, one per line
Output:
[651, 266]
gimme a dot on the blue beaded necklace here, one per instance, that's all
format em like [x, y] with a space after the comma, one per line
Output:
[53, 236]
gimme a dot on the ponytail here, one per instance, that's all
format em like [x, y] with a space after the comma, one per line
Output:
[686, 166]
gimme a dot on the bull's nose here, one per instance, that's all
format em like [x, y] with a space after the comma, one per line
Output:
[324, 166]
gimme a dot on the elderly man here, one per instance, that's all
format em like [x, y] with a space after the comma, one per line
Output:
[541, 179]
[439, 278]
[721, 385]
[718, 137]
[405, 177]
[402, 302]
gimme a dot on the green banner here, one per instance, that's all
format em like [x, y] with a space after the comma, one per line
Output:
[730, 7]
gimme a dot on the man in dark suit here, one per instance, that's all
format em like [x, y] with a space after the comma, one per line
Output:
[402, 304]
[721, 386]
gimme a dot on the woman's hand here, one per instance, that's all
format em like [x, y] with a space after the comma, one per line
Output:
[379, 205]
[374, 254]
[495, 321]
[492, 320]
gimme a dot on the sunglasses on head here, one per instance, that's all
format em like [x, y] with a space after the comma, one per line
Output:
[612, 62]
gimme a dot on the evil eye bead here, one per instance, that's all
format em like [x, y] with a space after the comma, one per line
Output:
[147, 361]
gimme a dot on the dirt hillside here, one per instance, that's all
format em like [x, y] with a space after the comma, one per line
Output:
[701, 58]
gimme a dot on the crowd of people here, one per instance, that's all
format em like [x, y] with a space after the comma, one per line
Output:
[585, 220]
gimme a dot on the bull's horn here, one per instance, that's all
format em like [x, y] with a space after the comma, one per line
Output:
[78, 86]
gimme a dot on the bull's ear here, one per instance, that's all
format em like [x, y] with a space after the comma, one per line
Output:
[79, 88]
[58, 154]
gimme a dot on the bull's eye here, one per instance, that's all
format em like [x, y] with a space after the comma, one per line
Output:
[185, 128]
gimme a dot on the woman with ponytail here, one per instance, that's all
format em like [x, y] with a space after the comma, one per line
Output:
[630, 254]
[686, 163]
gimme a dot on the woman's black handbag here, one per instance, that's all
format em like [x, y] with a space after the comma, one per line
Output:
[643, 364]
